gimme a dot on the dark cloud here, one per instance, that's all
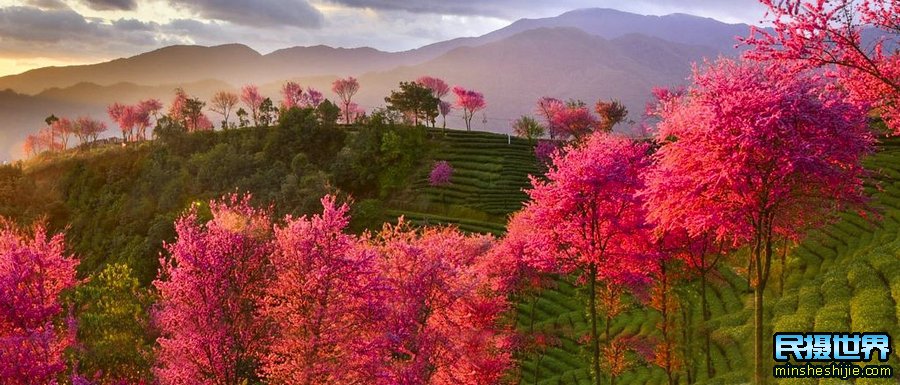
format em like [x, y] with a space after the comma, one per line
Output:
[32, 32]
[30, 24]
[111, 5]
[262, 13]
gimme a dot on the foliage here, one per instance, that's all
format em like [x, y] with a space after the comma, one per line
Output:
[754, 155]
[223, 102]
[113, 330]
[855, 41]
[326, 302]
[415, 101]
[441, 173]
[611, 113]
[34, 327]
[471, 102]
[346, 89]
[528, 128]
[210, 286]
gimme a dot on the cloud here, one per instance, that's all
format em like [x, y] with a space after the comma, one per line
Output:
[30, 24]
[262, 13]
[111, 5]
[47, 4]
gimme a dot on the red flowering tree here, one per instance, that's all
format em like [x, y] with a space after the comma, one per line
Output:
[445, 312]
[590, 220]
[326, 303]
[34, 329]
[854, 40]
[759, 154]
[471, 102]
[345, 89]
[546, 108]
[253, 100]
[210, 287]
[573, 120]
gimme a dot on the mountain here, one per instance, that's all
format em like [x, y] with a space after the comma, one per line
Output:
[562, 62]
[584, 54]
[610, 24]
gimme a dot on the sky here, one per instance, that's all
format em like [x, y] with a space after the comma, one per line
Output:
[39, 33]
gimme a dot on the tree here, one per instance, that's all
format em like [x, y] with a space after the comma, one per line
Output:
[440, 174]
[753, 154]
[588, 217]
[415, 101]
[328, 113]
[445, 108]
[573, 120]
[210, 287]
[112, 327]
[528, 128]
[855, 41]
[611, 113]
[326, 302]
[193, 117]
[124, 116]
[222, 103]
[355, 112]
[64, 129]
[147, 108]
[253, 100]
[87, 130]
[268, 113]
[470, 102]
[51, 119]
[34, 328]
[546, 107]
[445, 314]
[242, 118]
[345, 89]
[439, 89]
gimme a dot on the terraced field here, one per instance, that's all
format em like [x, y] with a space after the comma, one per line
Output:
[844, 277]
[490, 171]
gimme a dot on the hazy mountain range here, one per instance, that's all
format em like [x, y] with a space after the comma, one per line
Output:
[585, 54]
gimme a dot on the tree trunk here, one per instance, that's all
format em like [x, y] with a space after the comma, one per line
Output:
[704, 304]
[686, 342]
[595, 338]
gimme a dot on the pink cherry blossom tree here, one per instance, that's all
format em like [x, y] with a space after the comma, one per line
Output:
[253, 100]
[326, 302]
[589, 218]
[210, 288]
[760, 154]
[346, 89]
[35, 330]
[445, 313]
[471, 102]
[855, 41]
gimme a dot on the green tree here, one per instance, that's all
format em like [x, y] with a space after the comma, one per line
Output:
[267, 113]
[414, 100]
[328, 113]
[112, 327]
